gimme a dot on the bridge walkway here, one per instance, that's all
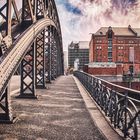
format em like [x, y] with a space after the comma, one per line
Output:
[59, 113]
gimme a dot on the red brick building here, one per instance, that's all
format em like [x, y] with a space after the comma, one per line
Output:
[115, 51]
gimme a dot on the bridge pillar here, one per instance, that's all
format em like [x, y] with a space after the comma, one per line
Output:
[48, 53]
[28, 74]
[40, 60]
[6, 8]
[40, 9]
[28, 12]
[54, 55]
[5, 107]
[49, 9]
[58, 56]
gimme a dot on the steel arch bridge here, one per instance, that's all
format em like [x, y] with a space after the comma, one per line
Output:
[32, 40]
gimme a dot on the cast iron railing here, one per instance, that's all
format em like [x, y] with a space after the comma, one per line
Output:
[119, 107]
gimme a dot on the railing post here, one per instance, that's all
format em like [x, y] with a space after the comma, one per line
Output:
[125, 107]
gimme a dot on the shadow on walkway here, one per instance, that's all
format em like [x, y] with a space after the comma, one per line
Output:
[59, 113]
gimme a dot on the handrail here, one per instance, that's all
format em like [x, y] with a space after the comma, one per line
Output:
[16, 54]
[114, 86]
[122, 110]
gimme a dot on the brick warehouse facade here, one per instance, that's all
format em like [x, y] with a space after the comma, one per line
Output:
[114, 50]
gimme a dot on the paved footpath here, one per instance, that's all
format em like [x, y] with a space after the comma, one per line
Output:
[59, 113]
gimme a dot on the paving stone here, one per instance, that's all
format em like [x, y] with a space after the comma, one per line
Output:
[59, 113]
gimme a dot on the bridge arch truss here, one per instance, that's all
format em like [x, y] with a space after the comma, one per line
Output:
[31, 39]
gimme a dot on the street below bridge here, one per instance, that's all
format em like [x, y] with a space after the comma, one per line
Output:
[60, 112]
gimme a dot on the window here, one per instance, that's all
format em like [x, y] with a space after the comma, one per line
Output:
[109, 49]
[99, 47]
[110, 42]
[130, 41]
[120, 54]
[99, 41]
[120, 47]
[110, 54]
[109, 59]
[120, 60]
[120, 41]
[131, 54]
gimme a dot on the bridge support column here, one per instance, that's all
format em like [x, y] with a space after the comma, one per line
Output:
[40, 7]
[58, 62]
[48, 53]
[58, 57]
[5, 107]
[28, 12]
[40, 60]
[28, 74]
[54, 55]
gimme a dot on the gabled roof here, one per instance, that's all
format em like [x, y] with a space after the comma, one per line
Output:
[120, 31]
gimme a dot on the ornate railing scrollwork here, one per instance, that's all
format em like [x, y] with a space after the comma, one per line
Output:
[120, 108]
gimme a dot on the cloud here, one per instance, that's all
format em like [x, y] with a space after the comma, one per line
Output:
[68, 6]
[78, 18]
[93, 15]
[71, 8]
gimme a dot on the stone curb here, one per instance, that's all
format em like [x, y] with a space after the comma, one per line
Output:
[14, 92]
[97, 116]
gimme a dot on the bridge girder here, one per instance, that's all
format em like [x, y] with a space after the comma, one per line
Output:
[28, 74]
[40, 60]
[39, 24]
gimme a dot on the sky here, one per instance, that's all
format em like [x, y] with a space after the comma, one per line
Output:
[80, 18]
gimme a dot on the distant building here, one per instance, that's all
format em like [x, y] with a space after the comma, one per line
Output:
[115, 52]
[65, 59]
[78, 52]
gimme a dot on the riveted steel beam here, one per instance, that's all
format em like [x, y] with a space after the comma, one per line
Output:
[53, 54]
[48, 53]
[28, 74]
[40, 60]
[58, 57]
[16, 10]
[50, 8]
[5, 107]
[40, 9]
[59, 54]
[17, 53]
[7, 17]
[28, 12]
[20, 51]
[45, 5]
[2, 9]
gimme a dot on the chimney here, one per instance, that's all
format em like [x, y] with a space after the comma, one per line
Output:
[132, 30]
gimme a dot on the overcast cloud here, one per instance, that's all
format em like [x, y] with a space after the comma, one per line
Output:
[79, 18]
